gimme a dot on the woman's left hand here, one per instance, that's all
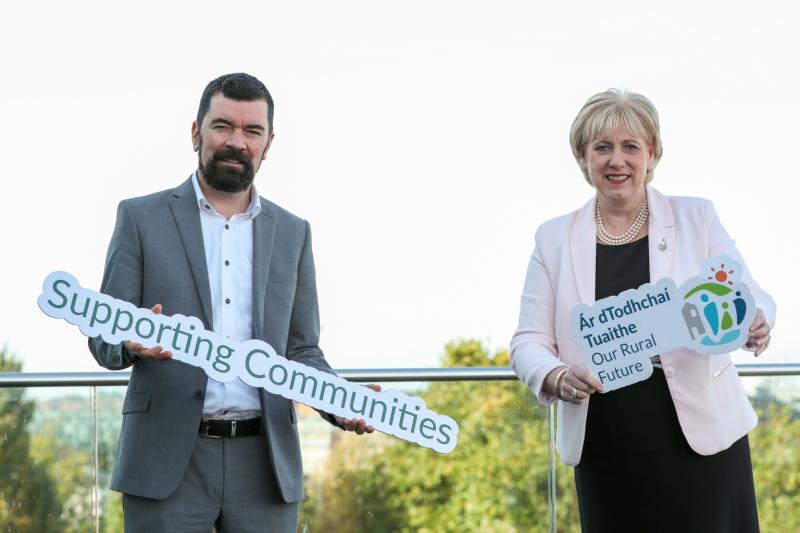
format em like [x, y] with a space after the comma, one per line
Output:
[758, 341]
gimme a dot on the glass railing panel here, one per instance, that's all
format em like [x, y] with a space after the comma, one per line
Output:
[775, 451]
[495, 479]
[109, 419]
[57, 447]
[29, 496]
[47, 473]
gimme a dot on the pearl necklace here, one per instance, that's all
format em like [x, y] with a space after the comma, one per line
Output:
[606, 238]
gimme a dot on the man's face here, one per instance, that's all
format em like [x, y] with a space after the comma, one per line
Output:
[231, 142]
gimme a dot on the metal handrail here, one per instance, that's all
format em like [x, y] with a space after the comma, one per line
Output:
[95, 379]
[99, 379]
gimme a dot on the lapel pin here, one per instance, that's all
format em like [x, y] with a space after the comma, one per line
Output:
[662, 245]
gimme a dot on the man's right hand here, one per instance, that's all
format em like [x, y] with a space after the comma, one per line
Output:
[156, 352]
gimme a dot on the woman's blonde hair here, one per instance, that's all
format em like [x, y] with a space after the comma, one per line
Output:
[605, 112]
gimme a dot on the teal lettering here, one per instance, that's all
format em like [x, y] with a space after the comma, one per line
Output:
[335, 389]
[306, 379]
[197, 342]
[63, 296]
[220, 362]
[272, 375]
[95, 318]
[247, 362]
[363, 405]
[138, 328]
[161, 328]
[116, 326]
[444, 434]
[75, 311]
[426, 423]
[372, 409]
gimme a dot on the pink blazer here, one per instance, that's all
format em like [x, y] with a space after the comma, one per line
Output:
[712, 406]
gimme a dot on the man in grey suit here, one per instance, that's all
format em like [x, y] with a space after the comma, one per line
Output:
[195, 453]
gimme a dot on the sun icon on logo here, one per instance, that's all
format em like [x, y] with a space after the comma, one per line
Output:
[721, 275]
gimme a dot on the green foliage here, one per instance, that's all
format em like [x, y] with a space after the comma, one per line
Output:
[64, 441]
[471, 353]
[47, 472]
[776, 468]
[74, 471]
[496, 478]
[494, 481]
[27, 494]
[113, 519]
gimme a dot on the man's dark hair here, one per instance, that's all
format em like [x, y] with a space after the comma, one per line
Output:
[238, 86]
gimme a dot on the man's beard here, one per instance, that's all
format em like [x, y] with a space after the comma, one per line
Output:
[224, 178]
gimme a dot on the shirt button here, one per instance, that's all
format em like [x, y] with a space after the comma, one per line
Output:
[227, 226]
[227, 263]
[227, 300]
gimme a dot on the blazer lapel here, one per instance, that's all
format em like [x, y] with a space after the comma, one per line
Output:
[583, 245]
[187, 218]
[263, 238]
[661, 231]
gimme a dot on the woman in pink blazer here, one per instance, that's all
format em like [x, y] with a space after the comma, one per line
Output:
[669, 453]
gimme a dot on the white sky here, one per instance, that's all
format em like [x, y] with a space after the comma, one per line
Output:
[424, 141]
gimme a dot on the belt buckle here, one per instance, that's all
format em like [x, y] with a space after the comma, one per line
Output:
[206, 427]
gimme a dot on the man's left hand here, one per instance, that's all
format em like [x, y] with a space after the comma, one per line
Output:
[358, 425]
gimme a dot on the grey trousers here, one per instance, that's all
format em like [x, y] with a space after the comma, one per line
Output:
[228, 485]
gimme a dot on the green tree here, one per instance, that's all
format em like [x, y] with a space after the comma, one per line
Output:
[113, 519]
[74, 472]
[64, 440]
[496, 478]
[776, 467]
[494, 481]
[28, 501]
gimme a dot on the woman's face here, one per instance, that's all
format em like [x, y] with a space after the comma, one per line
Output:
[617, 166]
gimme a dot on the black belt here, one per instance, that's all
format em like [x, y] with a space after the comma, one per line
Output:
[229, 429]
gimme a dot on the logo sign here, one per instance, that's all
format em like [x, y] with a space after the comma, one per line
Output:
[710, 314]
[254, 362]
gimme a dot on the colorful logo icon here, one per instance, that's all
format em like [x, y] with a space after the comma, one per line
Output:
[715, 309]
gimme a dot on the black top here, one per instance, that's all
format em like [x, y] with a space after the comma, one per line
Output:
[634, 450]
[620, 268]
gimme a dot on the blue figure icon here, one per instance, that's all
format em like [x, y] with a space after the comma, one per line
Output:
[740, 306]
[711, 313]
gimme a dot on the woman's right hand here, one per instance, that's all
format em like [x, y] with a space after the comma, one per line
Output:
[576, 385]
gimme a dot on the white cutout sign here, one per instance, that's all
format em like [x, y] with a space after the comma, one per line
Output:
[710, 314]
[254, 362]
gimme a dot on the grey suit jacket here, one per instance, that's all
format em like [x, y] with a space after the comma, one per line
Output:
[156, 255]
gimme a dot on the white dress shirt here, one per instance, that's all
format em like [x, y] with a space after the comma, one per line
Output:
[229, 259]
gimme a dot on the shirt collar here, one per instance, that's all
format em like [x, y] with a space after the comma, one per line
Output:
[252, 210]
